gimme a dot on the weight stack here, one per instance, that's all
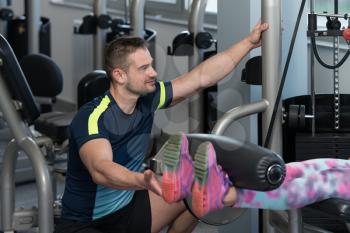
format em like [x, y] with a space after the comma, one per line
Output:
[322, 145]
[17, 33]
[300, 144]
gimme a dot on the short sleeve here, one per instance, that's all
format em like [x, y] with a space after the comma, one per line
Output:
[161, 97]
[88, 123]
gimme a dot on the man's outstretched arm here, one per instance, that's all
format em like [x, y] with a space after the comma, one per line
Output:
[97, 156]
[215, 68]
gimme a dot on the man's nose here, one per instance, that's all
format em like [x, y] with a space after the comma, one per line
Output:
[153, 72]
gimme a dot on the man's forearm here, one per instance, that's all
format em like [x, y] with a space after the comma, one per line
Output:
[216, 68]
[115, 176]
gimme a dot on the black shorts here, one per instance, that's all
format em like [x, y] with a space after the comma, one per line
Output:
[133, 218]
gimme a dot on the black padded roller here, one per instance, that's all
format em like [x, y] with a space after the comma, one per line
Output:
[249, 166]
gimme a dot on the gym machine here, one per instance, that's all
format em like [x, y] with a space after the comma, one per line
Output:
[20, 110]
[264, 170]
[303, 133]
[29, 33]
[18, 114]
[314, 126]
[271, 127]
[104, 28]
[183, 44]
[6, 14]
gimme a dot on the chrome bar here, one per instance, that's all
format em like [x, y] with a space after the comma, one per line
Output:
[137, 18]
[271, 71]
[195, 25]
[295, 221]
[236, 113]
[99, 8]
[33, 22]
[23, 141]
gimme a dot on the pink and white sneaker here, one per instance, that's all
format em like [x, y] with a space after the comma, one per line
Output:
[177, 169]
[211, 182]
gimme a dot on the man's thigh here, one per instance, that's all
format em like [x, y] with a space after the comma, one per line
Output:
[162, 212]
[140, 215]
[133, 218]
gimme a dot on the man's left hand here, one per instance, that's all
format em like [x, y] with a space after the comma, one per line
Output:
[255, 36]
[152, 182]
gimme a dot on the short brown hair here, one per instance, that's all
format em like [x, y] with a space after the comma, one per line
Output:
[118, 50]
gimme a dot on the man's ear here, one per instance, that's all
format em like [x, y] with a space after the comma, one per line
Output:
[119, 76]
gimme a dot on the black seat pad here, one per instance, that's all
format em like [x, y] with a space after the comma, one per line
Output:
[40, 69]
[54, 125]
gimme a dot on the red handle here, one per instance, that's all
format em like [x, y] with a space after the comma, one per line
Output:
[346, 34]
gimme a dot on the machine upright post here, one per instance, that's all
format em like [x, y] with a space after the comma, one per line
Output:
[336, 82]
[3, 24]
[312, 6]
[3, 3]
[336, 85]
[33, 21]
[312, 90]
[271, 73]
[195, 25]
[100, 7]
[137, 18]
[295, 221]
[126, 11]
[23, 141]
[312, 80]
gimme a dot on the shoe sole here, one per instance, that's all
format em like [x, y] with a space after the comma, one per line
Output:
[201, 175]
[201, 163]
[170, 183]
[172, 152]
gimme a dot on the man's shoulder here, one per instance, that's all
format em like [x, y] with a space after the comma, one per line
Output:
[92, 107]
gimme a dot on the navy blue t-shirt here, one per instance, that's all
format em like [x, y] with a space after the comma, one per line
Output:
[129, 135]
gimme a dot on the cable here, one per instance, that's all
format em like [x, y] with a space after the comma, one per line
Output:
[284, 75]
[318, 58]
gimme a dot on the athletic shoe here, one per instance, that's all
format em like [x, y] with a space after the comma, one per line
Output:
[178, 169]
[211, 182]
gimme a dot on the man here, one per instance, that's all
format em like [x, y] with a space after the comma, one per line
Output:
[106, 188]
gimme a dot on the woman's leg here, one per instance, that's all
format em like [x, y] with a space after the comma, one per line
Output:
[306, 182]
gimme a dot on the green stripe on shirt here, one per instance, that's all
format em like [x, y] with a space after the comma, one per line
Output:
[95, 115]
[162, 95]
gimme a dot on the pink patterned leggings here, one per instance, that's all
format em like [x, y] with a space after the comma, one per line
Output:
[306, 182]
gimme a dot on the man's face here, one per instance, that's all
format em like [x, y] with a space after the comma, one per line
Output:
[141, 75]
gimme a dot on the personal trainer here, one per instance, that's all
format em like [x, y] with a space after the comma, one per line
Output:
[107, 189]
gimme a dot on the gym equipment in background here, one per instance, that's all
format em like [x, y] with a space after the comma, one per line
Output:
[104, 28]
[317, 125]
[14, 85]
[29, 33]
[195, 43]
[20, 110]
[314, 125]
